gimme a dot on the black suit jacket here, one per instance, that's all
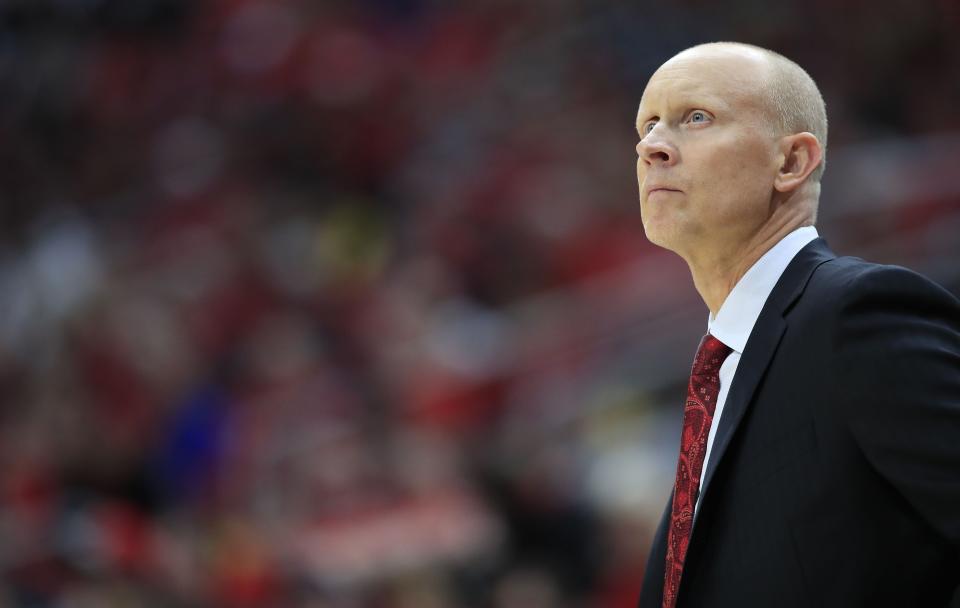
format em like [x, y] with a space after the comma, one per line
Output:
[835, 473]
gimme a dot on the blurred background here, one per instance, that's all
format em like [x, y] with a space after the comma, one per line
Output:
[348, 304]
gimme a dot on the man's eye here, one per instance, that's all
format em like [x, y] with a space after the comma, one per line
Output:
[698, 116]
[648, 127]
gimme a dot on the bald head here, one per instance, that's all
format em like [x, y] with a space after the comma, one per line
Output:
[729, 157]
[791, 96]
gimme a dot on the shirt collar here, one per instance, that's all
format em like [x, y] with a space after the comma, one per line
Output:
[739, 312]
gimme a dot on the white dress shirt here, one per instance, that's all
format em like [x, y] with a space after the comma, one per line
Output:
[739, 312]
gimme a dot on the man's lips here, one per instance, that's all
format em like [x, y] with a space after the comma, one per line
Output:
[658, 188]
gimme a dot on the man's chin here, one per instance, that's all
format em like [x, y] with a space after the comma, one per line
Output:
[661, 238]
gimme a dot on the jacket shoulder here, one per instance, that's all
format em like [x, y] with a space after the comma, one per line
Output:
[846, 279]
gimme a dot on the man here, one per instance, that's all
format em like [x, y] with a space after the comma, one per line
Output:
[820, 454]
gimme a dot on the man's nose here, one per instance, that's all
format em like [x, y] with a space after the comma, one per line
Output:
[656, 149]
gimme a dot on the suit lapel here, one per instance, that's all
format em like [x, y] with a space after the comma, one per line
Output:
[760, 349]
[756, 357]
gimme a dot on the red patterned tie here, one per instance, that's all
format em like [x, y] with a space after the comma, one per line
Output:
[697, 416]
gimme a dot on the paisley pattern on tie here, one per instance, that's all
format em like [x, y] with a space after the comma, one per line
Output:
[698, 412]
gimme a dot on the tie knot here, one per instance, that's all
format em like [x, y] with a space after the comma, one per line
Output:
[710, 356]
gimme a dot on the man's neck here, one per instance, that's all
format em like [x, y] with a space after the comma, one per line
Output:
[717, 273]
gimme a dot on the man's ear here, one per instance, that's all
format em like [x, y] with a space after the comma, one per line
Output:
[801, 155]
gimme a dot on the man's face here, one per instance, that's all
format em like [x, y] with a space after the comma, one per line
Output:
[707, 154]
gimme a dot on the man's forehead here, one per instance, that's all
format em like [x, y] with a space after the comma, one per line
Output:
[725, 76]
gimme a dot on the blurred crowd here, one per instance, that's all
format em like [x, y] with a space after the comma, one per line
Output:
[343, 304]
